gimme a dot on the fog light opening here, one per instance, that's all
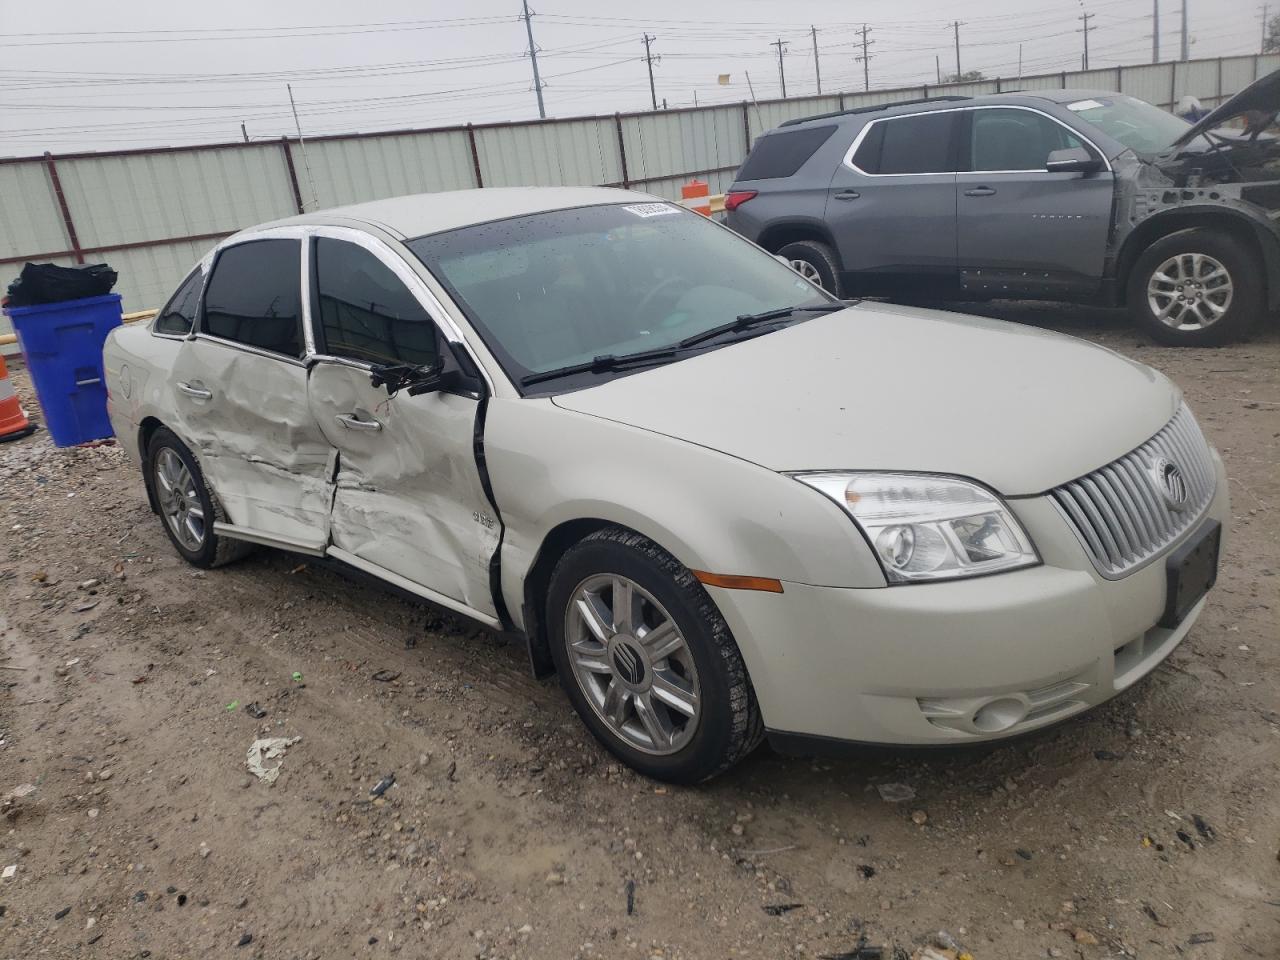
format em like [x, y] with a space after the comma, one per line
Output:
[999, 715]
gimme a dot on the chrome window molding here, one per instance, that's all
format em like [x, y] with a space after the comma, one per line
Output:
[247, 348]
[862, 134]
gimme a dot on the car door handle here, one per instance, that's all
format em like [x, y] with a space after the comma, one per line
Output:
[198, 393]
[848, 195]
[352, 422]
[980, 192]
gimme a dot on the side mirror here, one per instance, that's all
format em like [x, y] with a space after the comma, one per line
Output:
[399, 376]
[1072, 160]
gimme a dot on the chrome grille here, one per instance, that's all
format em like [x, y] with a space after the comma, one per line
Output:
[1126, 512]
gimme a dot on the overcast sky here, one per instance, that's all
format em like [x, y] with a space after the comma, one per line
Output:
[76, 75]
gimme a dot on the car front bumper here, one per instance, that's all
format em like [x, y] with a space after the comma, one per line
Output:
[963, 661]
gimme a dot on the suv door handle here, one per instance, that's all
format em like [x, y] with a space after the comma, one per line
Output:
[848, 195]
[980, 192]
[199, 393]
[352, 422]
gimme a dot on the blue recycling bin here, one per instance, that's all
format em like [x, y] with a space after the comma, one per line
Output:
[62, 345]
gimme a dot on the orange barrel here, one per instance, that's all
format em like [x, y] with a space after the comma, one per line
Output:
[692, 191]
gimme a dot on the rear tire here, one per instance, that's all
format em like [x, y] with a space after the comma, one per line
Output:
[187, 507]
[1196, 288]
[658, 678]
[816, 262]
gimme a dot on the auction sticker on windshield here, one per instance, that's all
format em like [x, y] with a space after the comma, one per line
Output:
[651, 209]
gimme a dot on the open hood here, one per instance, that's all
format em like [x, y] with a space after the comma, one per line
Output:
[1261, 95]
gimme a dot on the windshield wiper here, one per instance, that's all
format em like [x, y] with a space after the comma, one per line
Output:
[748, 320]
[605, 363]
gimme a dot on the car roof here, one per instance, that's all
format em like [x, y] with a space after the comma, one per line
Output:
[945, 102]
[421, 213]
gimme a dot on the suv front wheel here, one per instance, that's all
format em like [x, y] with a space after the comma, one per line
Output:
[816, 262]
[1195, 288]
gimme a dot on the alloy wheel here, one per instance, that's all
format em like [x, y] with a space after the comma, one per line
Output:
[179, 501]
[1190, 291]
[807, 270]
[632, 663]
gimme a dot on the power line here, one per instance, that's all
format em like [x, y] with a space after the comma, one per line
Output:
[865, 58]
[782, 74]
[648, 59]
[533, 59]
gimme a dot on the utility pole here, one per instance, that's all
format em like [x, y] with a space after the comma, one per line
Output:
[817, 69]
[648, 59]
[1263, 46]
[937, 65]
[1155, 31]
[782, 74]
[527, 17]
[956, 25]
[244, 131]
[1185, 53]
[315, 202]
[866, 76]
[1085, 18]
[1019, 61]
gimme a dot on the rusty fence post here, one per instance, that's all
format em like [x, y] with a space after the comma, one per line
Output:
[293, 174]
[475, 154]
[63, 206]
[622, 151]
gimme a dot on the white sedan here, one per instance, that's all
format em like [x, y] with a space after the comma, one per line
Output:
[718, 503]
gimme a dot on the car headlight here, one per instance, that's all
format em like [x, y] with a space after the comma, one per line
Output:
[925, 527]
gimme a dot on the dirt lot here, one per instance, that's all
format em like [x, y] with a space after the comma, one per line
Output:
[1149, 828]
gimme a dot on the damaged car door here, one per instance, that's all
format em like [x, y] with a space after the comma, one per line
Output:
[389, 392]
[240, 396]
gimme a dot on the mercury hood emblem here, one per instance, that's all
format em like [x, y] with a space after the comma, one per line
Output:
[1167, 478]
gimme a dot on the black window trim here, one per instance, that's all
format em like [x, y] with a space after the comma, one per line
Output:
[304, 325]
[957, 140]
[195, 321]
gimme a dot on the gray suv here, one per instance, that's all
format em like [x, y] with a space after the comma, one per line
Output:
[1069, 195]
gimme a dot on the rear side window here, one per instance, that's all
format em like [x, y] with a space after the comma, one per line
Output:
[782, 154]
[363, 310]
[179, 314]
[913, 144]
[253, 296]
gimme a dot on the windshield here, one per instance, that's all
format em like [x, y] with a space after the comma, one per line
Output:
[555, 289]
[1144, 128]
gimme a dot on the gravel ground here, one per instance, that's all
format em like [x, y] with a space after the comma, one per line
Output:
[1147, 828]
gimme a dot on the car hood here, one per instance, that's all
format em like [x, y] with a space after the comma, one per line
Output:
[883, 387]
[1262, 95]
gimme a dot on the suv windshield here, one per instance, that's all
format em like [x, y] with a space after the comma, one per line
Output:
[555, 289]
[1144, 128]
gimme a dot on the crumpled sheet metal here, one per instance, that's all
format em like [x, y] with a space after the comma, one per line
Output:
[261, 752]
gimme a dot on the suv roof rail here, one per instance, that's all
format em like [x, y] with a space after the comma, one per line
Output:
[870, 109]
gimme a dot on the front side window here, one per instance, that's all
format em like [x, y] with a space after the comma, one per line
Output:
[253, 296]
[363, 311]
[565, 287]
[179, 314]
[912, 144]
[1016, 140]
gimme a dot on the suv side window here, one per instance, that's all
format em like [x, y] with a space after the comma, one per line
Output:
[364, 312]
[1015, 140]
[179, 314]
[910, 144]
[782, 154]
[253, 296]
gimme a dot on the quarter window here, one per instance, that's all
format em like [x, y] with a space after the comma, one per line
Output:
[912, 144]
[1016, 140]
[782, 154]
[364, 312]
[253, 296]
[179, 314]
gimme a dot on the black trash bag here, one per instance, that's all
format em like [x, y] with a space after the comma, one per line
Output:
[52, 283]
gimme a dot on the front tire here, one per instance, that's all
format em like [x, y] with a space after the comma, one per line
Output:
[187, 507]
[816, 262]
[1196, 288]
[647, 661]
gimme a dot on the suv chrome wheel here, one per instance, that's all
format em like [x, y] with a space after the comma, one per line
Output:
[1190, 291]
[179, 501]
[632, 663]
[806, 270]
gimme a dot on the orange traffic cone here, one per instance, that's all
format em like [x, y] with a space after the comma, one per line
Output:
[13, 422]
